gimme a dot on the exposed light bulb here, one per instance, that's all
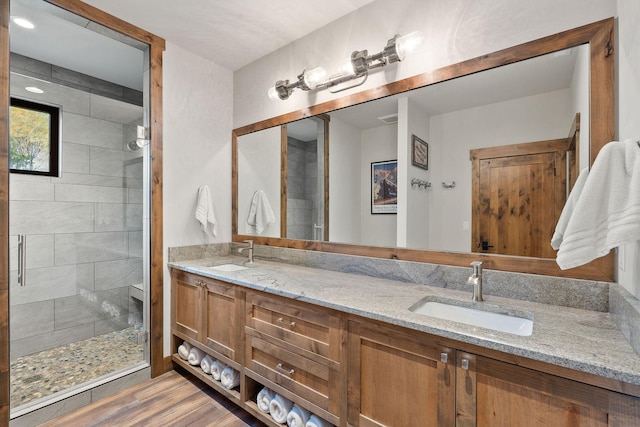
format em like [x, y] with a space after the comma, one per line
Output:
[24, 23]
[405, 45]
[347, 67]
[273, 94]
[314, 77]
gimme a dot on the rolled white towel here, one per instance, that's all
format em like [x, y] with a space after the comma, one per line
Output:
[230, 378]
[205, 364]
[316, 421]
[298, 417]
[265, 396]
[183, 350]
[216, 369]
[279, 408]
[195, 356]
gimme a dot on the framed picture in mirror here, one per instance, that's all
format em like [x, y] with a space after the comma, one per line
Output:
[384, 187]
[419, 153]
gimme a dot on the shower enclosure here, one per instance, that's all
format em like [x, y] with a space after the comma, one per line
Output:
[78, 239]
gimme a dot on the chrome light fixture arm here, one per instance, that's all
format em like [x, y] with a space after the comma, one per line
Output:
[361, 62]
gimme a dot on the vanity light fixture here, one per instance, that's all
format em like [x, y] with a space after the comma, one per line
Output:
[357, 67]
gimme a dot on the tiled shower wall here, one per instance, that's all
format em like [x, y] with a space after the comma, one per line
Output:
[84, 229]
[302, 180]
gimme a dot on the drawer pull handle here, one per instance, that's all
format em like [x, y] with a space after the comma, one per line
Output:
[465, 364]
[444, 357]
[289, 372]
[291, 324]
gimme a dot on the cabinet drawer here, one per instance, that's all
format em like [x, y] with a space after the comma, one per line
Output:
[296, 324]
[304, 377]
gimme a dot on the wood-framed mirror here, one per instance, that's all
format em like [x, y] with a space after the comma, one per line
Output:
[598, 122]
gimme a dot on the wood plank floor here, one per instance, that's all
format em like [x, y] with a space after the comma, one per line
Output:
[171, 399]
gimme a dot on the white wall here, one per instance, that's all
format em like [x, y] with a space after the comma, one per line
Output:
[628, 67]
[377, 144]
[259, 169]
[580, 102]
[413, 215]
[344, 182]
[197, 151]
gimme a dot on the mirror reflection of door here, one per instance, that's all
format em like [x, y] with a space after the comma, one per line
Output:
[521, 190]
[306, 179]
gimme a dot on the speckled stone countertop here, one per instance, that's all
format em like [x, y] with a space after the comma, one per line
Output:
[584, 340]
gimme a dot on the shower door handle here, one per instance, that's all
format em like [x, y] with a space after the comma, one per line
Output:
[22, 259]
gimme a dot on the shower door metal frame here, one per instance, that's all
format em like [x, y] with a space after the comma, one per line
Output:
[156, 48]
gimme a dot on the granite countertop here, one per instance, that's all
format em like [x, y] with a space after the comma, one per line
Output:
[584, 340]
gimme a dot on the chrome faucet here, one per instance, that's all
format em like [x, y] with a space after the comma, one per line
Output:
[249, 249]
[476, 281]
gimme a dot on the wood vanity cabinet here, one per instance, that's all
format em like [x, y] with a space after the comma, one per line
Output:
[297, 346]
[207, 311]
[355, 372]
[398, 379]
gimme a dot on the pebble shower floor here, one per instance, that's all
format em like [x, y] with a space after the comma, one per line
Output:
[42, 374]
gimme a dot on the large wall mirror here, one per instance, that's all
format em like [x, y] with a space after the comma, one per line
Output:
[524, 120]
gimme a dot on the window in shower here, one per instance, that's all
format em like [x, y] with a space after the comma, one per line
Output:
[34, 137]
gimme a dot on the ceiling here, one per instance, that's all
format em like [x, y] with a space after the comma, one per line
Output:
[230, 33]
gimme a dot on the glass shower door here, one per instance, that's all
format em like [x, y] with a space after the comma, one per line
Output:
[78, 238]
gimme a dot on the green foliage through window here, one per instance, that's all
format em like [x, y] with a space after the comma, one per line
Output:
[34, 138]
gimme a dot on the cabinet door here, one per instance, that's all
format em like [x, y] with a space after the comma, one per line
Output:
[498, 394]
[397, 380]
[186, 304]
[222, 323]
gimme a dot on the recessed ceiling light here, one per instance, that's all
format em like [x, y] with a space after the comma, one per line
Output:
[34, 89]
[24, 23]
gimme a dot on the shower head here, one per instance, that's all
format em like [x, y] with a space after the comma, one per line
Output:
[137, 144]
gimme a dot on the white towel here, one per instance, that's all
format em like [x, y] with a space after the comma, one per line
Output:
[216, 370]
[204, 210]
[315, 421]
[607, 213]
[230, 378]
[567, 211]
[279, 408]
[298, 417]
[260, 213]
[183, 350]
[265, 396]
[205, 364]
[195, 356]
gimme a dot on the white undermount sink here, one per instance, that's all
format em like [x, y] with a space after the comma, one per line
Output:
[228, 267]
[474, 317]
